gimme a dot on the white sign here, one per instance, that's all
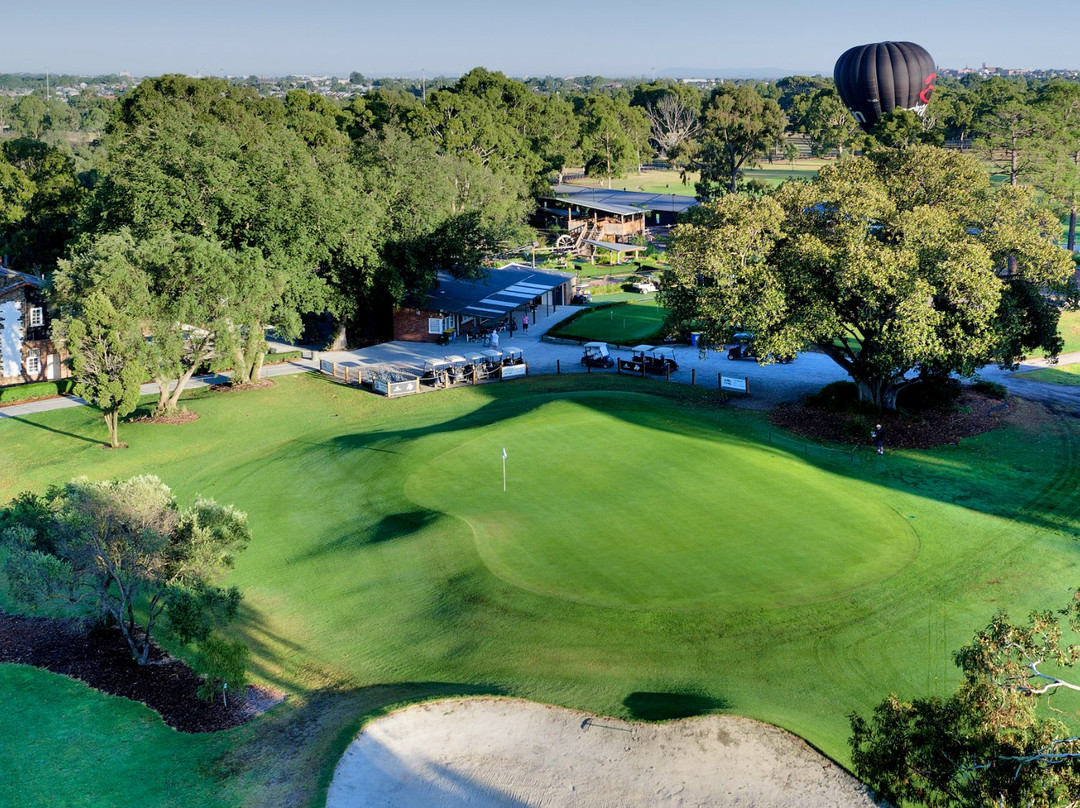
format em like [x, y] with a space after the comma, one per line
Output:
[733, 383]
[513, 371]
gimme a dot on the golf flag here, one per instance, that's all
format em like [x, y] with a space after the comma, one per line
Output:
[504, 453]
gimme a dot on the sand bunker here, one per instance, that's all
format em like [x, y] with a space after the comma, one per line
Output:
[490, 753]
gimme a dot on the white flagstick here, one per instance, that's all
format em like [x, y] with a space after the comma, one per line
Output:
[504, 468]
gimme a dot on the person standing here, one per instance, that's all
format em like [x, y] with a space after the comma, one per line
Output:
[495, 339]
[525, 324]
[878, 434]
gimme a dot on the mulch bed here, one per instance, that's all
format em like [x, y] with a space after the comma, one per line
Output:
[182, 416]
[972, 414]
[230, 388]
[101, 659]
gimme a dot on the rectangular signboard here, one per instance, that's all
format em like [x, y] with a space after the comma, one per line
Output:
[513, 371]
[735, 383]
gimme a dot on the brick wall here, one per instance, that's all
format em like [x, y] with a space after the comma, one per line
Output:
[412, 327]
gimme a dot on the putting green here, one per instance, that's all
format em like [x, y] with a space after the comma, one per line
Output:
[633, 503]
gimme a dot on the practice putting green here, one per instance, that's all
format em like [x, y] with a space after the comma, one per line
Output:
[646, 508]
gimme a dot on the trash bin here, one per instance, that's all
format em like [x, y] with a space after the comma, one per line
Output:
[694, 335]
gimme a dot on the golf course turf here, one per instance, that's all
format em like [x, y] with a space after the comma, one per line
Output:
[652, 550]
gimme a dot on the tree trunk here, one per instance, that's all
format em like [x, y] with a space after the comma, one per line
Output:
[1072, 228]
[249, 356]
[880, 392]
[341, 340]
[112, 420]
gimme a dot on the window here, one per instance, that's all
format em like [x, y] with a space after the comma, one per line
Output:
[37, 317]
[33, 361]
[437, 325]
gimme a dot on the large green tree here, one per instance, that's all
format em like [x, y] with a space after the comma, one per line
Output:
[1058, 174]
[906, 260]
[995, 741]
[1009, 127]
[50, 217]
[202, 158]
[103, 296]
[739, 127]
[823, 118]
[124, 552]
[614, 136]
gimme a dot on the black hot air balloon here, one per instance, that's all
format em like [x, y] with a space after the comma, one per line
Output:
[878, 78]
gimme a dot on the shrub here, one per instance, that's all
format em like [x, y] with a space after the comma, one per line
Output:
[25, 392]
[835, 397]
[929, 394]
[991, 389]
[858, 428]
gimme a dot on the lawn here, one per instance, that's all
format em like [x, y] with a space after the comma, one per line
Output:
[1066, 375]
[631, 323]
[670, 182]
[649, 543]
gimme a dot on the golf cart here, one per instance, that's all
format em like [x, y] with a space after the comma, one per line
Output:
[457, 369]
[492, 359]
[654, 360]
[436, 373]
[595, 355]
[512, 356]
[581, 297]
[744, 349]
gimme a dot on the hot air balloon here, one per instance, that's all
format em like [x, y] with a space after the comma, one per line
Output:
[883, 76]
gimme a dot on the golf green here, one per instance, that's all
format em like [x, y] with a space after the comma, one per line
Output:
[636, 504]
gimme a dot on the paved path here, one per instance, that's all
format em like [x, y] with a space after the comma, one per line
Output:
[769, 385]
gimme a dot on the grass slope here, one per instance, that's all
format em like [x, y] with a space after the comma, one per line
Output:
[376, 575]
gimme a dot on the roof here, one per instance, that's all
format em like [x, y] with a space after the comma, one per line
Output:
[11, 280]
[614, 246]
[498, 292]
[603, 206]
[641, 200]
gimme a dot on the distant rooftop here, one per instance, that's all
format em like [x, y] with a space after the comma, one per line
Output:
[636, 200]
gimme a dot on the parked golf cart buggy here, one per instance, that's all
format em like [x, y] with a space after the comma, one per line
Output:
[595, 355]
[744, 348]
[581, 297]
[655, 360]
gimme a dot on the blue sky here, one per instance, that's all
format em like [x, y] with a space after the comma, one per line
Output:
[614, 38]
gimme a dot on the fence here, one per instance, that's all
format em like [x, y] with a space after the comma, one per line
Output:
[393, 382]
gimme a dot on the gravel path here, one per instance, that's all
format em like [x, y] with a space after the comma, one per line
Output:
[769, 385]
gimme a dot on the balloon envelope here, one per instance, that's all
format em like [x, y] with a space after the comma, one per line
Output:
[883, 76]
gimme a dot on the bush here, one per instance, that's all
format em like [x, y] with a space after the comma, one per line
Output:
[25, 392]
[835, 397]
[273, 358]
[857, 428]
[221, 662]
[991, 389]
[929, 394]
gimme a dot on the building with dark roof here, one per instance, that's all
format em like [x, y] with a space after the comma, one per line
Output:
[455, 307]
[659, 209]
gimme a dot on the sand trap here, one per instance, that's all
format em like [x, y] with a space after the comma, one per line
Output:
[508, 753]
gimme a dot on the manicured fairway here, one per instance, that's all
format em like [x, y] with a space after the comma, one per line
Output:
[652, 549]
[658, 511]
[640, 319]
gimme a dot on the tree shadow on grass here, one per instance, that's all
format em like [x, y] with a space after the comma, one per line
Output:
[53, 430]
[390, 527]
[648, 706]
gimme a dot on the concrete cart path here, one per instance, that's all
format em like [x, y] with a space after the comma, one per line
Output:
[769, 385]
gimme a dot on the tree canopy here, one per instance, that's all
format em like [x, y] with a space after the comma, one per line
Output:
[123, 551]
[906, 260]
